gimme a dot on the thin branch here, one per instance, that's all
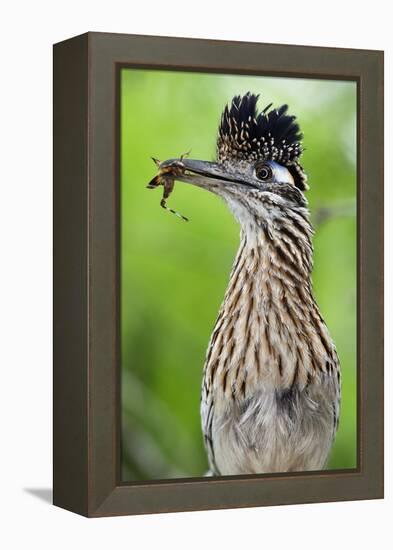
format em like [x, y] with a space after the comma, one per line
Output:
[343, 209]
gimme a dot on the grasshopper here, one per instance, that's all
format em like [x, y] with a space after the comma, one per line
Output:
[166, 177]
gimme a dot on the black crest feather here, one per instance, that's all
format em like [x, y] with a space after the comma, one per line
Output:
[272, 134]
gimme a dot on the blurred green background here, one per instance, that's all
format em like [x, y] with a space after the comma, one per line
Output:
[174, 274]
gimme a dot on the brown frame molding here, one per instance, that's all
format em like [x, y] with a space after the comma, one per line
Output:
[86, 273]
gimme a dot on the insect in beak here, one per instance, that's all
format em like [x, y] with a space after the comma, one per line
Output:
[166, 177]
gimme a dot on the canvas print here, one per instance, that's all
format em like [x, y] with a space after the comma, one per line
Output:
[237, 274]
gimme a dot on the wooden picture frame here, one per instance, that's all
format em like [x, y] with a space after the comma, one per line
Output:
[86, 254]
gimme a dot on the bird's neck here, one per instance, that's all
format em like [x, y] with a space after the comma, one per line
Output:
[273, 264]
[269, 327]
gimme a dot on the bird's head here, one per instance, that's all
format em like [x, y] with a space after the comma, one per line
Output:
[257, 171]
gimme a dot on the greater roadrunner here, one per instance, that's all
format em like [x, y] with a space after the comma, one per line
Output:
[271, 381]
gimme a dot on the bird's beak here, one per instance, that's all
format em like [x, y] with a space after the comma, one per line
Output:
[209, 175]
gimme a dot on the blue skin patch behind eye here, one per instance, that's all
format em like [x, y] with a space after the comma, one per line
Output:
[280, 173]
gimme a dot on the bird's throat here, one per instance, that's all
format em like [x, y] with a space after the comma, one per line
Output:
[267, 310]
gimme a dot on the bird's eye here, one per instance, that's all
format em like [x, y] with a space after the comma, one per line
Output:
[264, 172]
